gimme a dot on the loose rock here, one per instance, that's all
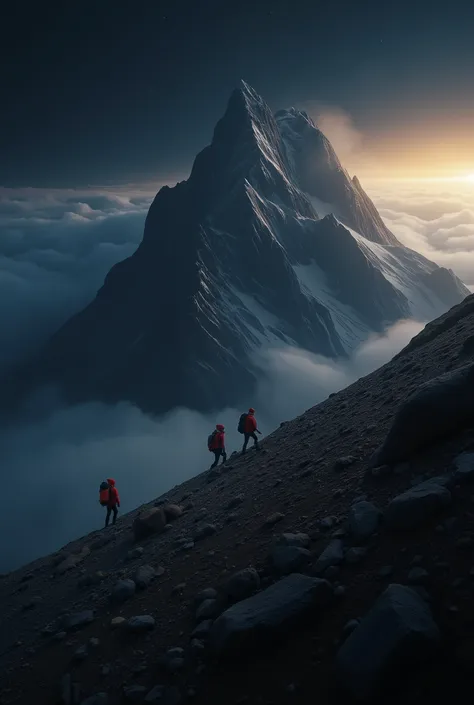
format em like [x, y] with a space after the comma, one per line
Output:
[273, 519]
[412, 508]
[207, 610]
[270, 612]
[289, 559]
[135, 553]
[301, 540]
[204, 531]
[206, 594]
[144, 576]
[152, 521]
[77, 620]
[202, 630]
[464, 464]
[364, 519]
[235, 501]
[123, 590]
[397, 632]
[172, 511]
[242, 584]
[437, 408]
[117, 622]
[332, 555]
[141, 623]
[344, 462]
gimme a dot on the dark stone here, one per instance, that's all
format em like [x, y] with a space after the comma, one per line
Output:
[398, 632]
[269, 613]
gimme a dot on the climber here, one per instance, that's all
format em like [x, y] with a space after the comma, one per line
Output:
[216, 444]
[248, 426]
[109, 497]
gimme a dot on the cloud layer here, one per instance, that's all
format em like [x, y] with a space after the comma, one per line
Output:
[434, 218]
[51, 469]
[55, 249]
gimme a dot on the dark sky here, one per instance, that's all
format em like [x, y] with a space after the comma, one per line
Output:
[103, 92]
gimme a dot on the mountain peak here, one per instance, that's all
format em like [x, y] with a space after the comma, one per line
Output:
[241, 252]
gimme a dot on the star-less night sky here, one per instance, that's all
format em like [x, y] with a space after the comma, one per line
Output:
[103, 92]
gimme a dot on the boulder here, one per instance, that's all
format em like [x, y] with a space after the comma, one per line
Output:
[152, 521]
[242, 584]
[289, 559]
[172, 511]
[206, 594]
[141, 623]
[344, 462]
[269, 613]
[202, 630]
[123, 590]
[135, 553]
[332, 555]
[398, 632]
[436, 409]
[363, 519]
[144, 576]
[301, 540]
[208, 610]
[413, 507]
[235, 501]
[72, 561]
[273, 519]
[464, 471]
[203, 531]
[76, 620]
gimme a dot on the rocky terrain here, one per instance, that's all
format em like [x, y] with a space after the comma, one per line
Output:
[333, 566]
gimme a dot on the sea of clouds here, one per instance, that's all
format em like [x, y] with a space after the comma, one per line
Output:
[55, 250]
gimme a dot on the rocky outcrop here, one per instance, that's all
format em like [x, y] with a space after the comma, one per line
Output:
[437, 408]
[398, 631]
[269, 613]
[412, 508]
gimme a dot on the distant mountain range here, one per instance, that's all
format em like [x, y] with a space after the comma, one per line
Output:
[269, 242]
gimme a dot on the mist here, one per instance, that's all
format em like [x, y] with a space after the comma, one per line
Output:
[52, 468]
[55, 250]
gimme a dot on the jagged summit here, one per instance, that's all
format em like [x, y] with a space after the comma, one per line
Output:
[238, 258]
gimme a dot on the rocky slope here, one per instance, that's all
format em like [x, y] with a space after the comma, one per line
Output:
[320, 531]
[268, 243]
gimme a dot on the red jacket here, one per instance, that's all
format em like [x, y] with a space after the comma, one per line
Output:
[250, 425]
[114, 498]
[218, 441]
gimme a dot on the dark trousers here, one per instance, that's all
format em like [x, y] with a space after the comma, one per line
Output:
[109, 512]
[218, 452]
[247, 436]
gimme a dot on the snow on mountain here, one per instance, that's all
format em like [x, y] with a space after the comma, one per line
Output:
[269, 242]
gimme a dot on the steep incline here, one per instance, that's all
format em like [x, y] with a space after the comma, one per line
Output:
[309, 475]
